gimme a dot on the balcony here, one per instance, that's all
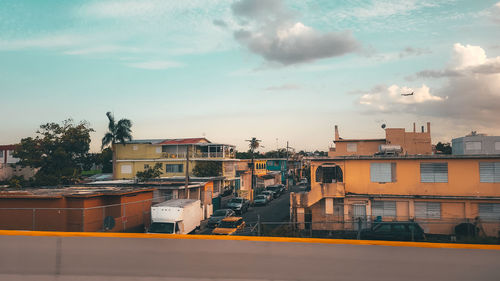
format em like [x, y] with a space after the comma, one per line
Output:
[204, 155]
[318, 191]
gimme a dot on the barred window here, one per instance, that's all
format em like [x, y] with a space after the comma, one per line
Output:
[489, 211]
[489, 171]
[174, 168]
[384, 209]
[428, 210]
[383, 172]
[433, 172]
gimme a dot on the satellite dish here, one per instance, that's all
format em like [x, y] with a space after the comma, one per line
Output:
[383, 126]
[109, 223]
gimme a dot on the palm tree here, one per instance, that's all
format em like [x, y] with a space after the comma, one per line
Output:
[117, 133]
[254, 143]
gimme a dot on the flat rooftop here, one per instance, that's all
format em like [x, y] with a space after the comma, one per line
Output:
[408, 157]
[73, 191]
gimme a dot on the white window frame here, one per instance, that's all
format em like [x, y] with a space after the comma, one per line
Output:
[384, 209]
[427, 210]
[382, 172]
[473, 145]
[489, 172]
[433, 172]
[126, 169]
[352, 147]
[489, 211]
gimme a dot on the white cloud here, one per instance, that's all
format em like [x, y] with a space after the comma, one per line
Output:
[155, 65]
[471, 92]
[495, 12]
[49, 41]
[284, 87]
[102, 50]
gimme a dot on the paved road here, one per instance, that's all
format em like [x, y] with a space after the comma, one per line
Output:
[72, 258]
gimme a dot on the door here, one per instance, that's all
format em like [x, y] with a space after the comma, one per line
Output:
[359, 216]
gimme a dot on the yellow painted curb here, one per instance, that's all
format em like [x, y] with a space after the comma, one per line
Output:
[251, 238]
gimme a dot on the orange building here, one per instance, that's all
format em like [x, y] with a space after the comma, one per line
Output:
[397, 141]
[437, 191]
[76, 209]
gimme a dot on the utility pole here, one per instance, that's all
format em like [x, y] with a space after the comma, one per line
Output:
[186, 184]
[287, 186]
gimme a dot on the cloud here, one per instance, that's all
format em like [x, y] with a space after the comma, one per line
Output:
[102, 49]
[273, 33]
[45, 42]
[220, 23]
[284, 87]
[470, 94]
[155, 65]
[410, 51]
[495, 12]
[392, 99]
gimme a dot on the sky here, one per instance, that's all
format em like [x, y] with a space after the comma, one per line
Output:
[278, 70]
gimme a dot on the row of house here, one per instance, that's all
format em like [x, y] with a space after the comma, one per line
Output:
[400, 179]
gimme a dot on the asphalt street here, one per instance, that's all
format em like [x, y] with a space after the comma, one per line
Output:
[90, 258]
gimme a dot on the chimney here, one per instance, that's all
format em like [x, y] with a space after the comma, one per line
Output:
[429, 127]
[337, 133]
[422, 129]
[414, 128]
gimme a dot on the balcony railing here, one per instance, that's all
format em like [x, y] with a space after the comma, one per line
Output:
[209, 155]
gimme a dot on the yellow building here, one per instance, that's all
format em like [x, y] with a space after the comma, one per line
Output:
[138, 155]
[437, 191]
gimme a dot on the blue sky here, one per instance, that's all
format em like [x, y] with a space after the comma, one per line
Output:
[230, 70]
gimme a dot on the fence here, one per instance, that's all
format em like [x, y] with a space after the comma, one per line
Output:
[468, 231]
[129, 216]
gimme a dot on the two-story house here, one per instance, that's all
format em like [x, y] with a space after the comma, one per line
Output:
[175, 155]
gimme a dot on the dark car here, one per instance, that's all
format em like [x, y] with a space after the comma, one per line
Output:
[398, 231]
[278, 189]
[218, 215]
[239, 205]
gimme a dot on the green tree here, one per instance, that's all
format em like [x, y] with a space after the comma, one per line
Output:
[58, 151]
[207, 169]
[118, 132]
[444, 148]
[106, 160]
[150, 173]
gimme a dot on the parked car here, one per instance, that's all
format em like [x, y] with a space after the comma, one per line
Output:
[260, 200]
[269, 194]
[399, 231]
[239, 205]
[218, 215]
[229, 226]
[278, 189]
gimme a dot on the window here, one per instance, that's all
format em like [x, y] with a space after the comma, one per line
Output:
[126, 169]
[384, 209]
[489, 171]
[1, 153]
[383, 172]
[174, 168]
[158, 149]
[352, 147]
[489, 211]
[497, 145]
[433, 172]
[146, 166]
[473, 145]
[329, 174]
[428, 210]
[134, 147]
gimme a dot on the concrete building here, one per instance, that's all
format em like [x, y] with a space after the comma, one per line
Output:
[80, 208]
[439, 192]
[476, 144]
[396, 140]
[262, 176]
[8, 167]
[172, 154]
